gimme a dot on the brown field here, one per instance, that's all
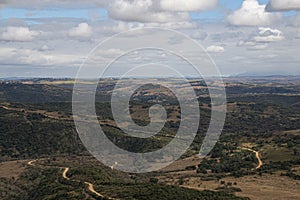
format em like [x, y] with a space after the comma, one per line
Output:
[255, 187]
[267, 187]
[181, 164]
[12, 169]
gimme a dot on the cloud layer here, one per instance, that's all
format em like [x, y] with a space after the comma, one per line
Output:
[191, 5]
[283, 5]
[269, 35]
[159, 11]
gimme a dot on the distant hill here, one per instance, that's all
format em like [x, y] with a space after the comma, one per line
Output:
[33, 93]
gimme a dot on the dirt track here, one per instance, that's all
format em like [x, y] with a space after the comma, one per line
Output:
[260, 163]
[65, 176]
[90, 185]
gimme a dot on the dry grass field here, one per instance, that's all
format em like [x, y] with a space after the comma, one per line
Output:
[12, 169]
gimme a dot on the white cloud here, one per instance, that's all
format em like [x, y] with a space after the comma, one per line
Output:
[129, 10]
[252, 13]
[167, 5]
[110, 52]
[31, 57]
[283, 5]
[269, 35]
[19, 34]
[82, 30]
[260, 41]
[143, 11]
[190, 5]
[215, 49]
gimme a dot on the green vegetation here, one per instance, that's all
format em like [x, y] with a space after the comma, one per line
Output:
[36, 121]
[226, 159]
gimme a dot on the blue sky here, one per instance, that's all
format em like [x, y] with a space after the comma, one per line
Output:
[52, 38]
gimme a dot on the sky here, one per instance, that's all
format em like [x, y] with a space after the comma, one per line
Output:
[43, 38]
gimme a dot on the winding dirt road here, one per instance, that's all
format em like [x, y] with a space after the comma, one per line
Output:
[260, 163]
[65, 176]
[90, 185]
[91, 188]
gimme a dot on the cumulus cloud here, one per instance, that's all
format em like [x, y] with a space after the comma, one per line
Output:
[215, 49]
[143, 11]
[82, 30]
[269, 35]
[261, 40]
[252, 13]
[19, 34]
[191, 5]
[283, 5]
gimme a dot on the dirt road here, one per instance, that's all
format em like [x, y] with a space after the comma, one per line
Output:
[65, 176]
[91, 188]
[90, 185]
[31, 163]
[260, 163]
